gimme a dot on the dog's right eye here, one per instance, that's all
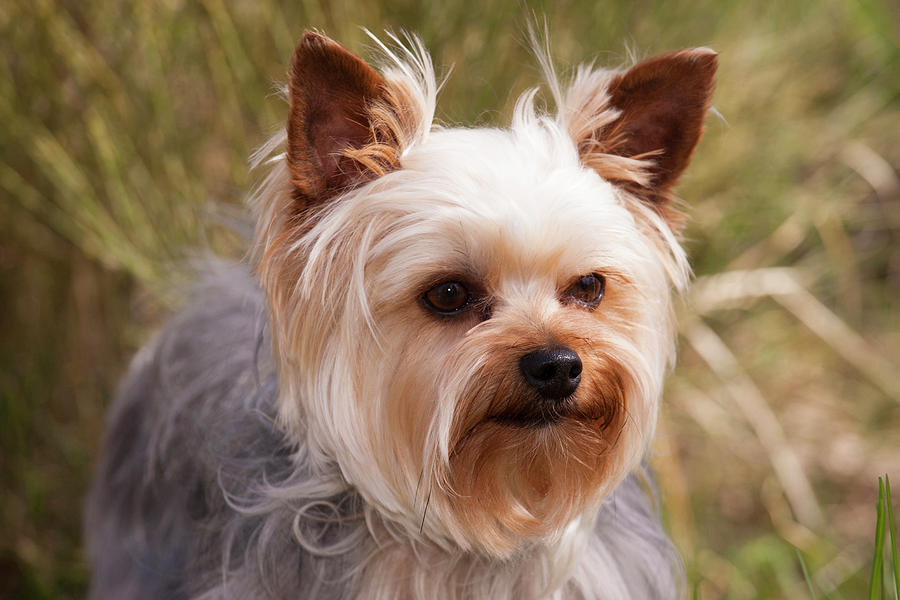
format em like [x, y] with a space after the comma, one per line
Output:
[447, 298]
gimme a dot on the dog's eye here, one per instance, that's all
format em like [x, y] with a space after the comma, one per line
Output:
[447, 298]
[587, 290]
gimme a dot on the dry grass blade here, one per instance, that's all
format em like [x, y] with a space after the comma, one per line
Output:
[782, 284]
[872, 167]
[843, 340]
[759, 415]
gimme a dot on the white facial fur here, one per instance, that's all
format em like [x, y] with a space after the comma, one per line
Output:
[382, 379]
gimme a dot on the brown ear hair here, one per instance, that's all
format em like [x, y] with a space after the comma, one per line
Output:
[661, 103]
[332, 94]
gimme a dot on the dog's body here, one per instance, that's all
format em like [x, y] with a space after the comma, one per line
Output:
[203, 393]
[470, 332]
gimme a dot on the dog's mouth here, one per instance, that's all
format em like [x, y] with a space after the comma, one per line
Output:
[538, 414]
[534, 414]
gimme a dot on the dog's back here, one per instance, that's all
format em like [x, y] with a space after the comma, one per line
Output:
[194, 417]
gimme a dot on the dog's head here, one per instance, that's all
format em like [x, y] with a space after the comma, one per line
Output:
[473, 325]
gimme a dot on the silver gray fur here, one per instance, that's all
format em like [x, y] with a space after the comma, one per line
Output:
[182, 504]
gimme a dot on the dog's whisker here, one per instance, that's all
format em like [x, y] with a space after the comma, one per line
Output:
[425, 512]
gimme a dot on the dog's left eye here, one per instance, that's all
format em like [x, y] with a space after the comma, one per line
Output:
[587, 290]
[447, 298]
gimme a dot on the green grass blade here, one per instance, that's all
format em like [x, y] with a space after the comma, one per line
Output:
[895, 558]
[878, 559]
[809, 584]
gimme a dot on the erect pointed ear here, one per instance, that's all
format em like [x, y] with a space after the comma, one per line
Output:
[661, 104]
[332, 93]
[663, 101]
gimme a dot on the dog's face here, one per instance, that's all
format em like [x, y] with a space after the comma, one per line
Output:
[474, 325]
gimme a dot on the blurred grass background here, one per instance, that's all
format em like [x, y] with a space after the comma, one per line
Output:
[124, 132]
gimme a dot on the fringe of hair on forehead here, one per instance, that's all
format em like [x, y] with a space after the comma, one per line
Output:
[405, 117]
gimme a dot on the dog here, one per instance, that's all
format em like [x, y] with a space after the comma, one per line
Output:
[441, 378]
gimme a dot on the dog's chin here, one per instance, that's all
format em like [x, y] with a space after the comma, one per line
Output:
[525, 472]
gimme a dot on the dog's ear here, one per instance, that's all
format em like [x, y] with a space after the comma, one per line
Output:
[663, 101]
[660, 104]
[332, 94]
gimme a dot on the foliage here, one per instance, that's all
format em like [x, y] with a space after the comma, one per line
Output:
[126, 127]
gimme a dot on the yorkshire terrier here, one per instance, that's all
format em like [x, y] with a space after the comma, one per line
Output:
[442, 379]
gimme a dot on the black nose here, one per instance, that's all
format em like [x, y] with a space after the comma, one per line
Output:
[554, 372]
